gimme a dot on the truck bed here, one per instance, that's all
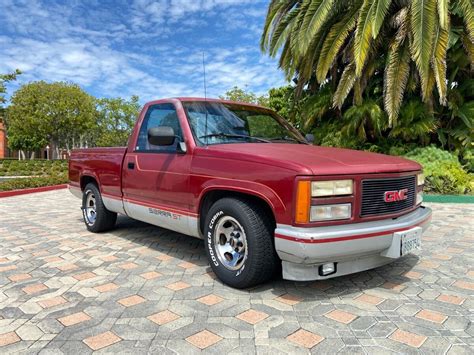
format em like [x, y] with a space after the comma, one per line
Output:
[104, 164]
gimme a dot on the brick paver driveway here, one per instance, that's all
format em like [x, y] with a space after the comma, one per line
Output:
[142, 289]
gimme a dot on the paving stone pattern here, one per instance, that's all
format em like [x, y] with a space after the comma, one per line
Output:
[142, 289]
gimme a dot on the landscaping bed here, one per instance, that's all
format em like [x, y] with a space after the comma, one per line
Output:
[444, 174]
[32, 173]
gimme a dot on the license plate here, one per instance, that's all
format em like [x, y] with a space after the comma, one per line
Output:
[410, 240]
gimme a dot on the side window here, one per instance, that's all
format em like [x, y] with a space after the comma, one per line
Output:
[156, 116]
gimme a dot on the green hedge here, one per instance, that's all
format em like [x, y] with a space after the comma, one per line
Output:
[10, 167]
[443, 172]
[41, 172]
[26, 183]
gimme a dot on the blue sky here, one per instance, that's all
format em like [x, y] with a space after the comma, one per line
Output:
[149, 48]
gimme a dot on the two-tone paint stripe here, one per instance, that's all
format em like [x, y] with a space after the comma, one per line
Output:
[350, 237]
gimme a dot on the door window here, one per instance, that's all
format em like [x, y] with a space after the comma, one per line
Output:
[157, 116]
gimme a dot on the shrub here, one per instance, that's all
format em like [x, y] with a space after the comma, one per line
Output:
[41, 172]
[330, 135]
[443, 172]
[468, 159]
[32, 167]
[25, 183]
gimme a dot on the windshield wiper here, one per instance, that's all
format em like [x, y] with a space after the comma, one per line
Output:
[226, 135]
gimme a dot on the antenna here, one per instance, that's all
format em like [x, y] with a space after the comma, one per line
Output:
[204, 73]
[205, 96]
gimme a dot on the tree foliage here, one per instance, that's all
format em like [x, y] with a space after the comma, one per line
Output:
[242, 95]
[347, 42]
[378, 74]
[60, 114]
[4, 79]
[115, 120]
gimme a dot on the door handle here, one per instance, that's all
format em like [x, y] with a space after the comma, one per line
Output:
[131, 165]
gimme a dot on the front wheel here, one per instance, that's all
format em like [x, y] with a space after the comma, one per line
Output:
[239, 243]
[96, 217]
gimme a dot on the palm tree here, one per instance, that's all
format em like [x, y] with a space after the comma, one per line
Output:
[347, 42]
[365, 121]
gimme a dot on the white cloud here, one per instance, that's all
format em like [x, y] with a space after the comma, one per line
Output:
[111, 72]
[161, 11]
[110, 54]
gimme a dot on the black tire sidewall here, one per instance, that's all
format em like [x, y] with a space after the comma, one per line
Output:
[235, 278]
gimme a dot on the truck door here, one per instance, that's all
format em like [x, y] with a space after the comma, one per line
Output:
[155, 179]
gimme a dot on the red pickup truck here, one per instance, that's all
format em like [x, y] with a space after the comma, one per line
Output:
[262, 198]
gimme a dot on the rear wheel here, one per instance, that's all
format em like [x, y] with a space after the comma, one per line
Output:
[96, 217]
[239, 243]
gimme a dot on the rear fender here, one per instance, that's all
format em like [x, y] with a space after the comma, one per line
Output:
[90, 174]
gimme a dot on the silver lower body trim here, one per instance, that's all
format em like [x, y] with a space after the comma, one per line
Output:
[76, 191]
[174, 221]
[113, 204]
[161, 218]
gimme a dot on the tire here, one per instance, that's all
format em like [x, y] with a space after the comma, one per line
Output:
[97, 218]
[238, 238]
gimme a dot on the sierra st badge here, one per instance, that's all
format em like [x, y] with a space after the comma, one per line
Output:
[394, 196]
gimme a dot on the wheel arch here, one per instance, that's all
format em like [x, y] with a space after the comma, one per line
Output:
[87, 179]
[210, 196]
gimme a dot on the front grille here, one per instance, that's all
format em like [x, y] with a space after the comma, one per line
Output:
[373, 192]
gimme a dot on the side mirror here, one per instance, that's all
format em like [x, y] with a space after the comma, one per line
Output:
[161, 135]
[309, 138]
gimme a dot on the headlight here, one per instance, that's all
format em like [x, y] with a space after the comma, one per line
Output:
[330, 212]
[331, 188]
[420, 178]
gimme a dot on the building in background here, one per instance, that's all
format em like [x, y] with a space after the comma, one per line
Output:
[3, 141]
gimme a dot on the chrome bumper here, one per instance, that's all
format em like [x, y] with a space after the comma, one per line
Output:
[355, 247]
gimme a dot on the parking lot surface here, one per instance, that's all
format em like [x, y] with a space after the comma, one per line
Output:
[142, 289]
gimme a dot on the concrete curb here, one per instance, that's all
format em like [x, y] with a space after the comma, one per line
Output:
[31, 190]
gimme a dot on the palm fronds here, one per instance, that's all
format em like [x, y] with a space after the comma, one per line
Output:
[335, 41]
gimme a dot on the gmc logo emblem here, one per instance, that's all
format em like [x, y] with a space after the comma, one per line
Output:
[394, 196]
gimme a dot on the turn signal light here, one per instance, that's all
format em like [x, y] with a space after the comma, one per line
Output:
[303, 201]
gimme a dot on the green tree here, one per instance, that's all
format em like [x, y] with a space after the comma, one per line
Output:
[241, 95]
[59, 114]
[366, 121]
[116, 119]
[4, 79]
[348, 43]
[282, 101]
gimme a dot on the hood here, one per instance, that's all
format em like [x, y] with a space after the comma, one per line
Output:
[313, 160]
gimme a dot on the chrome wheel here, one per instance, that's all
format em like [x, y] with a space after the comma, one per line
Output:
[90, 209]
[230, 243]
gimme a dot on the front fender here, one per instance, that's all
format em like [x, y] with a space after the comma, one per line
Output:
[246, 187]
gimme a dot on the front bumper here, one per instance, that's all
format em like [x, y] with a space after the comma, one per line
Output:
[354, 247]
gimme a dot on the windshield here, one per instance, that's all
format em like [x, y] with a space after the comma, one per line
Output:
[233, 123]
